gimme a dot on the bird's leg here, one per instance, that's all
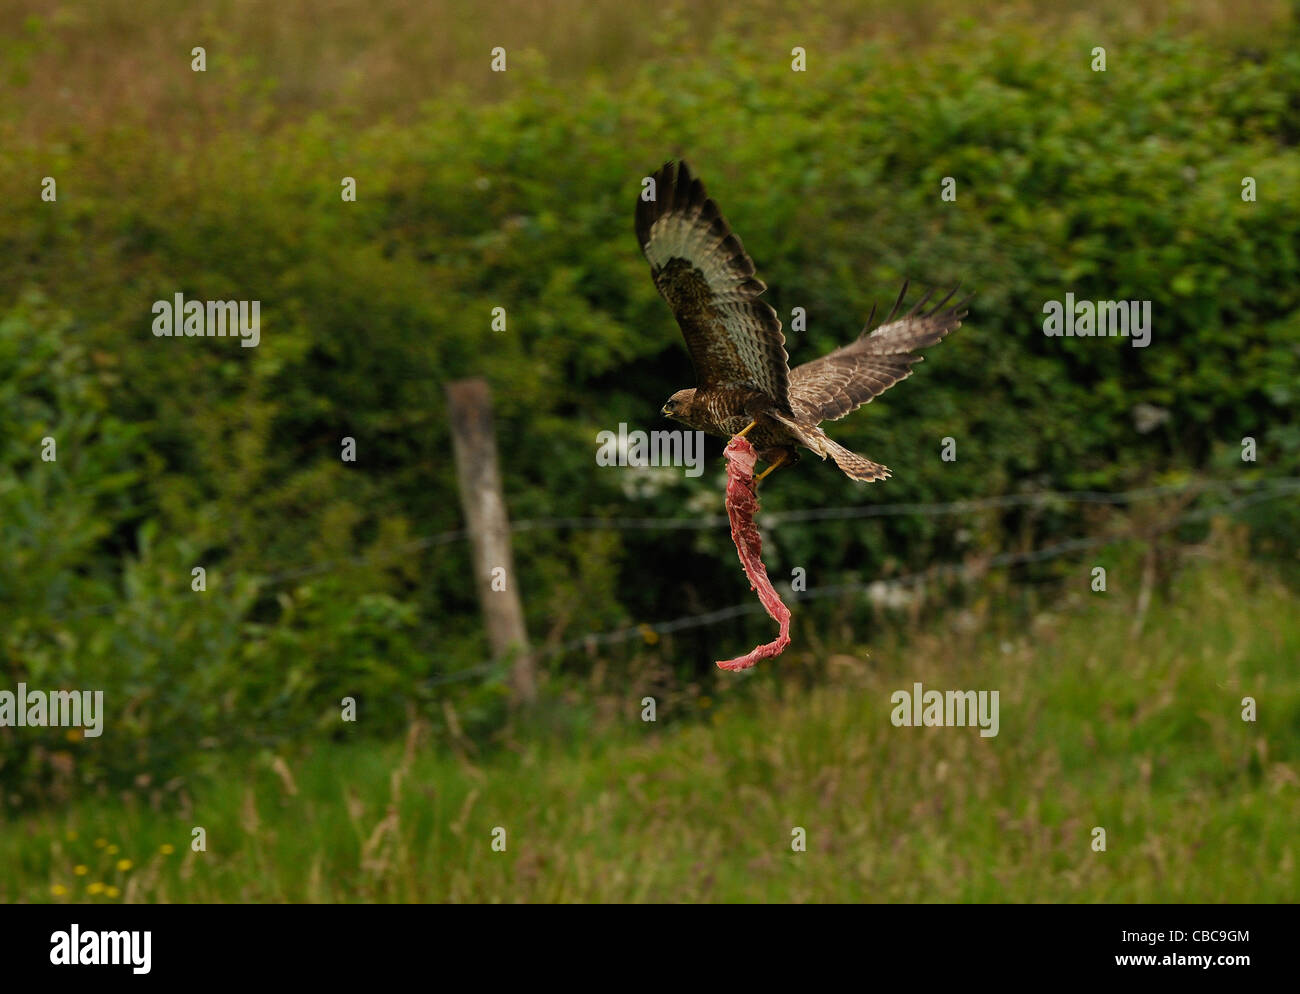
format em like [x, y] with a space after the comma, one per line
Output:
[780, 461]
[748, 428]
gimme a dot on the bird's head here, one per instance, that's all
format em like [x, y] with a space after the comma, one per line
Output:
[678, 406]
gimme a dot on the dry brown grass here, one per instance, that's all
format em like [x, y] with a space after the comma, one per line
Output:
[72, 68]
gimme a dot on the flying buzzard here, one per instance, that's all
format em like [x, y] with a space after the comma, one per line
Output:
[746, 386]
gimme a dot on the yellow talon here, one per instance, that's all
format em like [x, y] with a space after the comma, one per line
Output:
[748, 429]
[776, 465]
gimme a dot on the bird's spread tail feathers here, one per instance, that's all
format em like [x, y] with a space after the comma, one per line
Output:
[856, 467]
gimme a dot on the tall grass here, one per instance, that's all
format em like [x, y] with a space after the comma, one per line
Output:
[1140, 736]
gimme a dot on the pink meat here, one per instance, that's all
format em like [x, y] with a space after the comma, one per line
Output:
[742, 505]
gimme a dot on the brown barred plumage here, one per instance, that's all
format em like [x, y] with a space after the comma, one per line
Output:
[735, 341]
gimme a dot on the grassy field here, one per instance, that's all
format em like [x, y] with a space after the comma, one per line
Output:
[1146, 741]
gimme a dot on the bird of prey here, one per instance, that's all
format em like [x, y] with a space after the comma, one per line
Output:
[745, 384]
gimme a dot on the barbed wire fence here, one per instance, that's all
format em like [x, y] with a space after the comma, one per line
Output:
[1259, 491]
[1265, 490]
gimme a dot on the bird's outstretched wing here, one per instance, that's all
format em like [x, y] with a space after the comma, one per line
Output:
[841, 381]
[703, 271]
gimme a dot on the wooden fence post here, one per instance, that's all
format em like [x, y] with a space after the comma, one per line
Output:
[469, 403]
